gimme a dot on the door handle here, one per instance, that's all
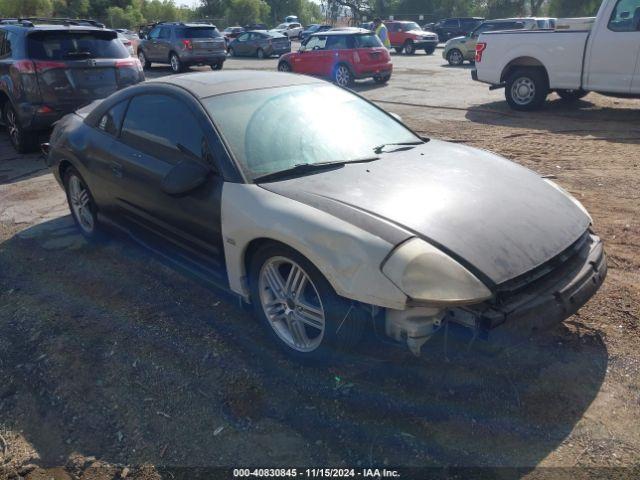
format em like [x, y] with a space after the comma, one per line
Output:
[116, 169]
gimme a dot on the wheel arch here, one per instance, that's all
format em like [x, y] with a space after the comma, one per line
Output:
[523, 62]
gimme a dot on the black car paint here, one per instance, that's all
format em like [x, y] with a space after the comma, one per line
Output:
[127, 184]
[477, 227]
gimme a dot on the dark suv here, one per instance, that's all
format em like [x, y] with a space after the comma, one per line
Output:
[456, 27]
[49, 70]
[183, 44]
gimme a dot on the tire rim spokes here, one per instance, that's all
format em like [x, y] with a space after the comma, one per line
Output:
[174, 63]
[523, 90]
[292, 304]
[12, 126]
[342, 76]
[80, 204]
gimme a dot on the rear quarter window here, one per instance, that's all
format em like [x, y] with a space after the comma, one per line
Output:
[68, 45]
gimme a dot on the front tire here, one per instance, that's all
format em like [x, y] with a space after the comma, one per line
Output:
[382, 79]
[298, 306]
[526, 89]
[342, 76]
[571, 95]
[217, 66]
[146, 64]
[455, 57]
[232, 52]
[260, 54]
[82, 206]
[22, 140]
[284, 67]
[176, 64]
[429, 50]
[409, 48]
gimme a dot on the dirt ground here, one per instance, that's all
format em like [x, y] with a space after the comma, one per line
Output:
[113, 365]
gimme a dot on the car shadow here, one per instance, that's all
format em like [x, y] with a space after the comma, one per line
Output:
[464, 66]
[582, 118]
[107, 352]
[15, 167]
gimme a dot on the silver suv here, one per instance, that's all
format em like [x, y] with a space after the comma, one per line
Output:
[183, 44]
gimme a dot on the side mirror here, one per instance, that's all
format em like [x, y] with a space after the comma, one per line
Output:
[184, 177]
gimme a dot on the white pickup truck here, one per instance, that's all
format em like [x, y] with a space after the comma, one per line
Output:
[531, 64]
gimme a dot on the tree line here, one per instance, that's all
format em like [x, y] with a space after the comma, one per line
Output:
[131, 13]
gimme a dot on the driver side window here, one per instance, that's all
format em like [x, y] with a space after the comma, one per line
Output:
[625, 16]
[315, 43]
[243, 38]
[155, 33]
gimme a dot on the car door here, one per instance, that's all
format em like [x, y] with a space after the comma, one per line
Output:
[307, 59]
[151, 45]
[164, 45]
[613, 50]
[150, 146]
[240, 47]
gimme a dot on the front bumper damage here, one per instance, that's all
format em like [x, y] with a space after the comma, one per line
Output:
[520, 309]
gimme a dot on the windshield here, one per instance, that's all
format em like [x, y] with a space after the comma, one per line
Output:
[407, 27]
[275, 129]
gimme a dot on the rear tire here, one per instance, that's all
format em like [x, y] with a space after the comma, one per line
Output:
[455, 57]
[232, 52]
[23, 141]
[82, 205]
[335, 324]
[526, 89]
[176, 64]
[342, 76]
[571, 95]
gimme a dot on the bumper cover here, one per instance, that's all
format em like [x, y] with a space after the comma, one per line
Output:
[543, 305]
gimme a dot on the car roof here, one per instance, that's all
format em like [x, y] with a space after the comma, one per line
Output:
[41, 26]
[350, 31]
[207, 84]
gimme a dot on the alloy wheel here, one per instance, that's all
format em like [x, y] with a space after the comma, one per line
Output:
[284, 67]
[455, 57]
[12, 127]
[175, 63]
[81, 204]
[523, 91]
[292, 304]
[409, 48]
[343, 76]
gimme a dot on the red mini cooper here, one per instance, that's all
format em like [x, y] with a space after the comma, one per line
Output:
[342, 55]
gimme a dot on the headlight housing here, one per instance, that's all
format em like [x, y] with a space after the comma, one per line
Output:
[426, 274]
[571, 197]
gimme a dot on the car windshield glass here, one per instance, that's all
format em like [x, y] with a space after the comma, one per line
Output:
[407, 27]
[209, 32]
[368, 41]
[65, 45]
[275, 129]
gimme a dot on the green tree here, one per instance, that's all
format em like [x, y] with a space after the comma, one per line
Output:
[574, 8]
[26, 8]
[129, 17]
[242, 12]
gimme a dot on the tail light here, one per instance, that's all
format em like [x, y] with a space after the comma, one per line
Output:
[187, 44]
[480, 48]
[129, 63]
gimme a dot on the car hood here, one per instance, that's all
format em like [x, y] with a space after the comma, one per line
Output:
[499, 219]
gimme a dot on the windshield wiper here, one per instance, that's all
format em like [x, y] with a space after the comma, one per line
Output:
[380, 148]
[301, 168]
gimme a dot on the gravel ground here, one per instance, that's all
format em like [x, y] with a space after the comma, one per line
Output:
[114, 365]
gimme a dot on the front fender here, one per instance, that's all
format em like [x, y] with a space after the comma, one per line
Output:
[347, 256]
